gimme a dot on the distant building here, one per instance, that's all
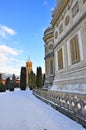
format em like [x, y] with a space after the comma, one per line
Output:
[3, 81]
[28, 69]
[65, 45]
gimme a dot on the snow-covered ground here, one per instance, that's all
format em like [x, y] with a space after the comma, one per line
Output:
[21, 110]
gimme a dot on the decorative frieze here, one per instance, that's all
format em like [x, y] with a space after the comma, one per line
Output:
[85, 26]
[75, 9]
[84, 1]
[60, 28]
[50, 46]
[56, 35]
[67, 19]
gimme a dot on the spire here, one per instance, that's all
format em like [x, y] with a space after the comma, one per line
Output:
[29, 59]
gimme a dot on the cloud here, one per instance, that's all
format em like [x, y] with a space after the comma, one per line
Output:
[10, 70]
[3, 58]
[7, 50]
[10, 61]
[4, 31]
[13, 67]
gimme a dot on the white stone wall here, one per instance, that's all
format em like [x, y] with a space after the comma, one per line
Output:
[71, 22]
[76, 73]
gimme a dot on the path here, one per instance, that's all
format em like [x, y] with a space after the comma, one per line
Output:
[21, 110]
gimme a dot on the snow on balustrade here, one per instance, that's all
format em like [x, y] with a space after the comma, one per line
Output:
[73, 101]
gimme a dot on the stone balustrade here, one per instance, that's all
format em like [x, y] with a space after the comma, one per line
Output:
[71, 102]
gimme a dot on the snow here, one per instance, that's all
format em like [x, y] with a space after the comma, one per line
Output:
[21, 110]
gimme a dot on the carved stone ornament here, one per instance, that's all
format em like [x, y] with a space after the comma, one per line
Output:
[84, 1]
[67, 19]
[85, 26]
[56, 35]
[61, 28]
[50, 46]
[75, 9]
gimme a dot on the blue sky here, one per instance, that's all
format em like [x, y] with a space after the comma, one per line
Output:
[22, 24]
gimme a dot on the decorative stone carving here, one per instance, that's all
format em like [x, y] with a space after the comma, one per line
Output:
[67, 19]
[50, 47]
[61, 28]
[56, 35]
[75, 9]
[84, 1]
[85, 26]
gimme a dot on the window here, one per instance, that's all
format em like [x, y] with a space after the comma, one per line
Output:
[51, 66]
[67, 19]
[27, 65]
[60, 59]
[74, 46]
[46, 67]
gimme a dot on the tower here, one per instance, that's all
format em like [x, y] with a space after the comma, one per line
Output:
[28, 69]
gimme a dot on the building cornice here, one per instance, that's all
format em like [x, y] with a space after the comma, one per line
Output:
[49, 55]
[70, 30]
[48, 34]
[59, 13]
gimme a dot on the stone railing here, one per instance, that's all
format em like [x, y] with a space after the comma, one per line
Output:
[71, 104]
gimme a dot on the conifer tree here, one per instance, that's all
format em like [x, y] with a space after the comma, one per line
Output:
[7, 83]
[39, 82]
[13, 83]
[31, 80]
[23, 78]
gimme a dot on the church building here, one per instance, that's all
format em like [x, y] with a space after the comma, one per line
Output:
[28, 69]
[65, 45]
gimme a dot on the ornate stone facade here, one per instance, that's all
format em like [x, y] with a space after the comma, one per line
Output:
[49, 56]
[68, 37]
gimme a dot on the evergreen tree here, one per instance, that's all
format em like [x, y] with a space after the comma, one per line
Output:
[31, 80]
[39, 82]
[2, 87]
[0, 78]
[14, 78]
[23, 78]
[13, 83]
[7, 83]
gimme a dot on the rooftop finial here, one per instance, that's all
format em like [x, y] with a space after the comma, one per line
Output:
[29, 59]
